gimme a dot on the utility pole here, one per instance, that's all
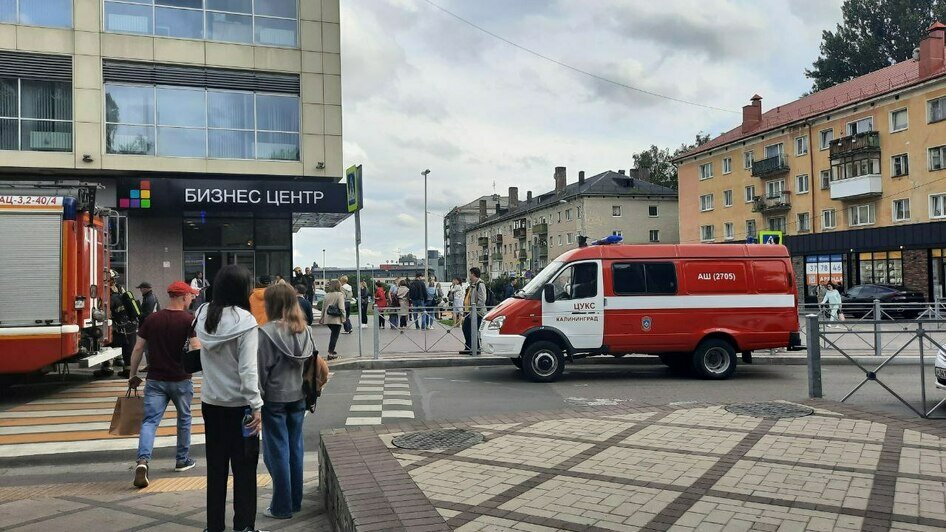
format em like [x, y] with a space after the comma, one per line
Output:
[426, 256]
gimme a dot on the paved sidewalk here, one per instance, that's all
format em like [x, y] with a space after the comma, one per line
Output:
[700, 468]
[95, 497]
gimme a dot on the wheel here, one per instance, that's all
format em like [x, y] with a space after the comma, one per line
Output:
[543, 362]
[675, 361]
[714, 359]
[517, 362]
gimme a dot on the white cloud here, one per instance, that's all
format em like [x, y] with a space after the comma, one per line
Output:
[423, 90]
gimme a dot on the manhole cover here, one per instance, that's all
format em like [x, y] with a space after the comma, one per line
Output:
[438, 439]
[769, 410]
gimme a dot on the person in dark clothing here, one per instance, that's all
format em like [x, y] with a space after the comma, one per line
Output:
[304, 303]
[417, 291]
[510, 289]
[309, 282]
[364, 297]
[124, 312]
[149, 303]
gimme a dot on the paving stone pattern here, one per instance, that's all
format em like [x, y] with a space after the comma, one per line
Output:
[699, 468]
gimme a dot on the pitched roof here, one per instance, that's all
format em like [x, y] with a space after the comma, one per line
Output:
[607, 183]
[887, 79]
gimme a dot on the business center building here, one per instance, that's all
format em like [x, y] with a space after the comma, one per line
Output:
[213, 128]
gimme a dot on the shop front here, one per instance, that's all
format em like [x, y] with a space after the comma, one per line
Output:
[176, 228]
[911, 256]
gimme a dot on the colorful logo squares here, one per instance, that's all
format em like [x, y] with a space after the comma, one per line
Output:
[138, 198]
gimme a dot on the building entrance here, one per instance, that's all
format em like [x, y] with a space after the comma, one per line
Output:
[210, 262]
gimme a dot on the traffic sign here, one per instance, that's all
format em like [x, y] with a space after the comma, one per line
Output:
[770, 237]
[355, 193]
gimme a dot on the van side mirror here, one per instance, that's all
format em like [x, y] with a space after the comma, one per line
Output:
[549, 292]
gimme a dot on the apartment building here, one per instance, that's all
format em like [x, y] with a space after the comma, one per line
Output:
[211, 128]
[853, 175]
[455, 225]
[529, 234]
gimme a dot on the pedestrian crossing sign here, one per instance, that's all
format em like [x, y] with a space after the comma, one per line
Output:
[770, 237]
[355, 193]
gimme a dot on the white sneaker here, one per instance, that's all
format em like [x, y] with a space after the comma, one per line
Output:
[364, 326]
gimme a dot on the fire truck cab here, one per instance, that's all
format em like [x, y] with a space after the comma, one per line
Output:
[694, 306]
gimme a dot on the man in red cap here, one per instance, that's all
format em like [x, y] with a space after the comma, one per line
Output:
[163, 334]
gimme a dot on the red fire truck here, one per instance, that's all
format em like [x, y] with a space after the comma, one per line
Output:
[695, 306]
[53, 292]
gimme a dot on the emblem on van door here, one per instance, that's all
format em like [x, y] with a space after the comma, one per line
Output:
[646, 322]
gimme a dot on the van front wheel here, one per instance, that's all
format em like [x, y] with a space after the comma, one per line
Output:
[543, 362]
[714, 359]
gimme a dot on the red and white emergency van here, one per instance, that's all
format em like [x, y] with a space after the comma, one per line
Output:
[53, 292]
[692, 305]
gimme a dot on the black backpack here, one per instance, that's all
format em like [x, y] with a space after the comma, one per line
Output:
[490, 296]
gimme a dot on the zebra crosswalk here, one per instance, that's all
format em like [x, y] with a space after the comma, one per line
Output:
[381, 395]
[76, 420]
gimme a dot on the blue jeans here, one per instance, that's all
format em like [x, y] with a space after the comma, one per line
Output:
[282, 454]
[157, 396]
[419, 308]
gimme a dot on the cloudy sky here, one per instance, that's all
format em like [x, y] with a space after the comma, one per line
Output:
[422, 89]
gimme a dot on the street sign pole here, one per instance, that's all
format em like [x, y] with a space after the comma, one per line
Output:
[355, 204]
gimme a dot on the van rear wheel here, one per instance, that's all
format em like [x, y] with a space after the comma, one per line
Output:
[543, 362]
[715, 359]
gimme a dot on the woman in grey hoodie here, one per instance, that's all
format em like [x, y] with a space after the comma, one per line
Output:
[285, 343]
[229, 394]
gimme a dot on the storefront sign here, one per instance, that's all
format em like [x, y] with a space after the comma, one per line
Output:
[163, 196]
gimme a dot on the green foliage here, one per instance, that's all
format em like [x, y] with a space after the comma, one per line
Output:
[657, 166]
[874, 34]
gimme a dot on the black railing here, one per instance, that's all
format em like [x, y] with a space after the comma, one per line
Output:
[772, 166]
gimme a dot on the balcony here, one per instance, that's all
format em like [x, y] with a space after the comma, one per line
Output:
[484, 258]
[519, 233]
[540, 229]
[771, 167]
[483, 241]
[498, 239]
[543, 250]
[866, 142]
[863, 186]
[497, 256]
[523, 255]
[772, 204]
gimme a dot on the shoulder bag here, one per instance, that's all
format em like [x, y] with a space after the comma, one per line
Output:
[190, 358]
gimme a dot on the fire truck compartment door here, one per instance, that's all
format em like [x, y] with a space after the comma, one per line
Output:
[578, 309]
[31, 262]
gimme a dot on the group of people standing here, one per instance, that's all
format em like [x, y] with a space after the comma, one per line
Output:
[256, 350]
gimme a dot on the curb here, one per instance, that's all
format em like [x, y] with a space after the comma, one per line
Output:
[489, 360]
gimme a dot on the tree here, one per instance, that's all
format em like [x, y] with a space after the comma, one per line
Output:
[874, 34]
[657, 163]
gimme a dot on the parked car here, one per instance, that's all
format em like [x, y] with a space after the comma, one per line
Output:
[896, 301]
[940, 370]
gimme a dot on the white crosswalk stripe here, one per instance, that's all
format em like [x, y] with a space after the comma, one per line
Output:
[381, 395]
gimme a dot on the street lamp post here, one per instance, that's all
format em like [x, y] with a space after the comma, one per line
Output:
[426, 255]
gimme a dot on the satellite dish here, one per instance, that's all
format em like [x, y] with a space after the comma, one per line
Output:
[916, 54]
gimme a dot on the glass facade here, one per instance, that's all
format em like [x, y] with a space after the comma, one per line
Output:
[884, 267]
[35, 115]
[194, 122]
[264, 22]
[51, 13]
[262, 245]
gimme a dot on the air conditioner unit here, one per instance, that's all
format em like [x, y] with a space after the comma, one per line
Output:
[49, 140]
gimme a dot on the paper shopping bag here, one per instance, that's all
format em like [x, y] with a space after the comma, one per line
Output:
[128, 415]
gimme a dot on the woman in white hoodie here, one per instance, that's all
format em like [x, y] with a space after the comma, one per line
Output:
[230, 397]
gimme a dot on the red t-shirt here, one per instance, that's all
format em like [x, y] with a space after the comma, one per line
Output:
[165, 331]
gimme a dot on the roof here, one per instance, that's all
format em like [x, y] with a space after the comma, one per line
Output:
[680, 251]
[607, 183]
[876, 83]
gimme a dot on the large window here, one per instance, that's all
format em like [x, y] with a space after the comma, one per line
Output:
[861, 215]
[192, 122]
[803, 222]
[706, 171]
[35, 115]
[825, 137]
[750, 229]
[577, 282]
[899, 165]
[899, 120]
[936, 109]
[727, 165]
[644, 278]
[52, 13]
[881, 268]
[829, 219]
[707, 233]
[938, 206]
[729, 231]
[727, 198]
[937, 158]
[266, 22]
[860, 126]
[706, 202]
[901, 210]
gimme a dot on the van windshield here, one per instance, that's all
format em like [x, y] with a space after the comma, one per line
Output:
[534, 288]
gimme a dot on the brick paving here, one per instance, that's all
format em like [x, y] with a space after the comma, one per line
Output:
[647, 468]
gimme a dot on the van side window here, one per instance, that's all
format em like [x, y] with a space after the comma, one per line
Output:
[644, 278]
[577, 282]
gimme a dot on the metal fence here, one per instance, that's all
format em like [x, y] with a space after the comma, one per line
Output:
[922, 337]
[427, 329]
